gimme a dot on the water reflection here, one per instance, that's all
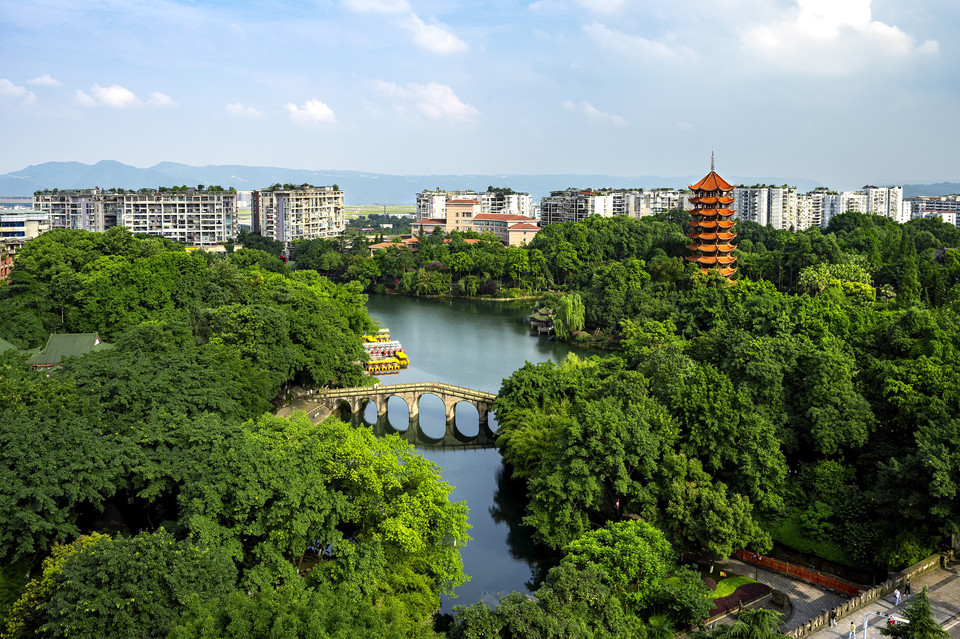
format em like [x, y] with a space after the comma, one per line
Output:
[433, 436]
[509, 500]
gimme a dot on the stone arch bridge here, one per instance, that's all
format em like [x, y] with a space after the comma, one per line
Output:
[410, 393]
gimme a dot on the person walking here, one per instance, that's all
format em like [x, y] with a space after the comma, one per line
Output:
[833, 618]
[896, 596]
[906, 589]
[853, 631]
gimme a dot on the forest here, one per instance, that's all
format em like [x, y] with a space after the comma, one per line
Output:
[147, 491]
[812, 403]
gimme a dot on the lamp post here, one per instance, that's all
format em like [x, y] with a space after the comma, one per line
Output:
[880, 614]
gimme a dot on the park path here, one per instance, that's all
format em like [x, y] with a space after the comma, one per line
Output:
[943, 586]
[807, 600]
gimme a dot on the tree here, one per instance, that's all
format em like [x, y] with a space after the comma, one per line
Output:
[632, 555]
[289, 484]
[288, 611]
[130, 587]
[58, 458]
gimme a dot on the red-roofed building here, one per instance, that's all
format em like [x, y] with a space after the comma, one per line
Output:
[464, 215]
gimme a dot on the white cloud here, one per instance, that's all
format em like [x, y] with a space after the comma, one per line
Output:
[435, 101]
[635, 46]
[601, 6]
[832, 37]
[10, 90]
[377, 6]
[433, 37]
[45, 81]
[161, 100]
[114, 96]
[568, 6]
[312, 113]
[84, 99]
[593, 112]
[118, 97]
[238, 110]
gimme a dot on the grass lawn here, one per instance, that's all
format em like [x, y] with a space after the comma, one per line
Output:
[355, 210]
[727, 586]
[789, 532]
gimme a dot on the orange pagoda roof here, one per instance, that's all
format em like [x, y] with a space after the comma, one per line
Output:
[712, 182]
[723, 199]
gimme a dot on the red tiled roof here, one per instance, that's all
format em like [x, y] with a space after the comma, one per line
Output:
[463, 201]
[712, 182]
[430, 221]
[523, 226]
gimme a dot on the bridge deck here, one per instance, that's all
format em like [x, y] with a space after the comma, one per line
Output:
[425, 387]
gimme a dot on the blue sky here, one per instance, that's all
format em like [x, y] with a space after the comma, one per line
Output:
[847, 92]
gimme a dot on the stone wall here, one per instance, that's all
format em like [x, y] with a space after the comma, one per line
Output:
[867, 597]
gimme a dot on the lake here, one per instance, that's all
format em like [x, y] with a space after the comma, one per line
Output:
[473, 344]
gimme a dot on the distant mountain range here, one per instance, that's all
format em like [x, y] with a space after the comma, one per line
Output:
[359, 187]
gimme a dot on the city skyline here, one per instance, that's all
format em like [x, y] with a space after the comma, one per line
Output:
[843, 92]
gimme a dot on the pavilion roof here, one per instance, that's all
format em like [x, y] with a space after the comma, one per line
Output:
[60, 345]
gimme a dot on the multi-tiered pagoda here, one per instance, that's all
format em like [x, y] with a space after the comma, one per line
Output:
[712, 227]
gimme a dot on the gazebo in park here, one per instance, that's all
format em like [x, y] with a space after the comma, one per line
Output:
[712, 226]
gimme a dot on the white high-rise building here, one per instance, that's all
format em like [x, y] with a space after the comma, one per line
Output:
[885, 200]
[196, 217]
[301, 213]
[773, 205]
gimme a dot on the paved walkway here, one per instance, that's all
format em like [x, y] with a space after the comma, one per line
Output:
[944, 590]
[807, 600]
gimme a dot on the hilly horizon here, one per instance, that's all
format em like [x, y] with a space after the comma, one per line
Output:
[359, 187]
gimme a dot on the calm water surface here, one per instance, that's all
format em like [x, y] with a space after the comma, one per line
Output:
[472, 344]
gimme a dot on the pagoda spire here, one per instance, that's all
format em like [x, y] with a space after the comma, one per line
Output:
[712, 163]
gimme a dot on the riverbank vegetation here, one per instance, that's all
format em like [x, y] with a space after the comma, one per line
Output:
[145, 489]
[813, 401]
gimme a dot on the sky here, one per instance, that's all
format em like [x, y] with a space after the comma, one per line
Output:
[845, 92]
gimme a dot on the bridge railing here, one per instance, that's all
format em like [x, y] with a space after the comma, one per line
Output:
[410, 386]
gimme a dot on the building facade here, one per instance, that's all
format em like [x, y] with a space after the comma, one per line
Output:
[302, 213]
[433, 204]
[945, 207]
[575, 205]
[195, 217]
[24, 225]
[773, 205]
[83, 209]
[192, 217]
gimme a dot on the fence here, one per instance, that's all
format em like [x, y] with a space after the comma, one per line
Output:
[799, 572]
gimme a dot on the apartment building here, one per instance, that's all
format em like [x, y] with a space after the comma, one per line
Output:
[9, 246]
[299, 213]
[83, 209]
[575, 205]
[23, 224]
[433, 204]
[946, 207]
[885, 200]
[195, 217]
[763, 204]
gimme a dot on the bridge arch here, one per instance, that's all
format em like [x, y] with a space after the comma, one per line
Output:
[412, 394]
